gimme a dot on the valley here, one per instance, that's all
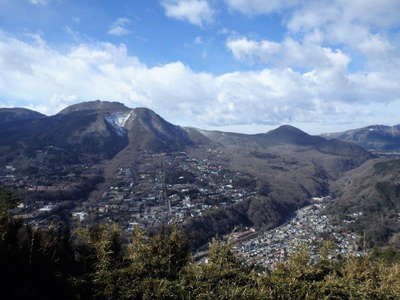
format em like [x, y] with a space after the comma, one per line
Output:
[165, 188]
[101, 162]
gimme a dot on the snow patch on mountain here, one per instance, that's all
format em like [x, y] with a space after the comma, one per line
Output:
[118, 121]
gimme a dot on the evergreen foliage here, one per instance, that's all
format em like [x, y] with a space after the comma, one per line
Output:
[94, 263]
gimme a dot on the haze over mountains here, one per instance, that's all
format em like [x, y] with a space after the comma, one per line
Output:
[80, 153]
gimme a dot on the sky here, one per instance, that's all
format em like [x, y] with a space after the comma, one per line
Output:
[234, 65]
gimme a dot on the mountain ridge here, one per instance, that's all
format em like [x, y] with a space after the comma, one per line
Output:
[103, 129]
[18, 114]
[283, 167]
[377, 138]
[98, 105]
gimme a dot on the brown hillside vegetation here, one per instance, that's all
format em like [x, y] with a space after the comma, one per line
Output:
[373, 190]
[95, 264]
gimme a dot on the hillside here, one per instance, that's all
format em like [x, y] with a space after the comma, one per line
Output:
[18, 114]
[93, 263]
[217, 181]
[81, 133]
[378, 138]
[373, 190]
[288, 166]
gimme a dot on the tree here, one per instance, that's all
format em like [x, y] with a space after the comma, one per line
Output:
[160, 256]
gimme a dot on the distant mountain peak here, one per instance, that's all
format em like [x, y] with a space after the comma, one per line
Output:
[288, 134]
[288, 129]
[97, 105]
[380, 138]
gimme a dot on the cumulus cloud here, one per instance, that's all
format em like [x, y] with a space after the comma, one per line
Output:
[46, 79]
[318, 13]
[289, 53]
[363, 27]
[196, 12]
[260, 7]
[322, 39]
[119, 27]
[249, 51]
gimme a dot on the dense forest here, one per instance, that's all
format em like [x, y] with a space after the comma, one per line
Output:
[96, 263]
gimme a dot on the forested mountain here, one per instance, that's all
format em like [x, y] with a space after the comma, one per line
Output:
[101, 162]
[89, 144]
[372, 190]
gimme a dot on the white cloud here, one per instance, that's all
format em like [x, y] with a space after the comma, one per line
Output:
[39, 2]
[226, 31]
[370, 13]
[311, 13]
[362, 27]
[250, 51]
[259, 7]
[196, 12]
[324, 37]
[289, 53]
[359, 24]
[46, 79]
[119, 27]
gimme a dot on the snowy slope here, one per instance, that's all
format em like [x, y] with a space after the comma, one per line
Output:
[118, 121]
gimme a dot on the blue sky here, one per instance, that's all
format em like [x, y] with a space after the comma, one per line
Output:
[146, 30]
[239, 65]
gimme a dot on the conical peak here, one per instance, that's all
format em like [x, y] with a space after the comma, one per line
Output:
[287, 134]
[287, 130]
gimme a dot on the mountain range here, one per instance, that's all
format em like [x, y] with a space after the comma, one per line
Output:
[376, 138]
[284, 167]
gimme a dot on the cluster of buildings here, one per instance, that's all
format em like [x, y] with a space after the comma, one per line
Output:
[50, 184]
[170, 188]
[309, 227]
[157, 188]
[163, 188]
[51, 170]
